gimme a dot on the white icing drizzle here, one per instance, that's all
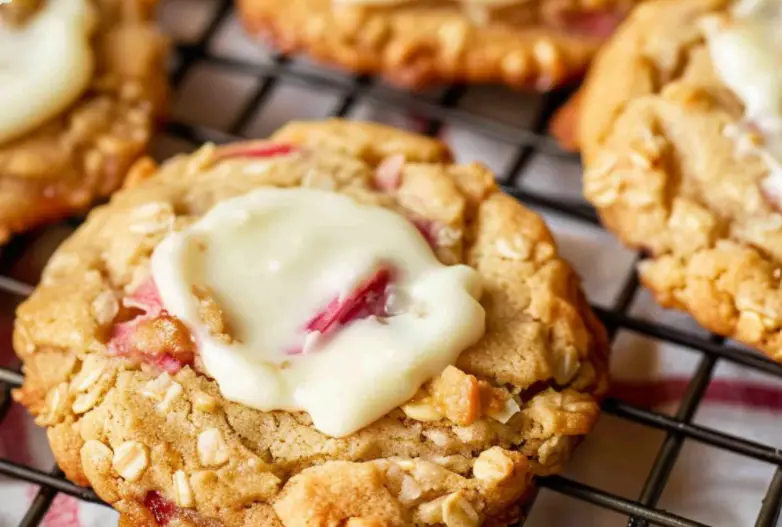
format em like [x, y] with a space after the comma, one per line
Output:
[45, 64]
[274, 258]
[746, 51]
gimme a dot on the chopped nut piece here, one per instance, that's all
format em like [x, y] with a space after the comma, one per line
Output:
[548, 56]
[493, 466]
[204, 403]
[211, 314]
[447, 236]
[455, 463]
[157, 388]
[171, 395]
[497, 403]
[105, 307]
[183, 493]
[517, 248]
[437, 436]
[431, 512]
[405, 464]
[423, 410]
[153, 217]
[515, 63]
[457, 395]
[130, 460]
[492, 399]
[458, 512]
[410, 490]
[164, 335]
[544, 251]
[212, 450]
[504, 414]
[566, 413]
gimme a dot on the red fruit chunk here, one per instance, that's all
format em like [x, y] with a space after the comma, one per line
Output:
[171, 364]
[367, 300]
[163, 510]
[388, 174]
[598, 24]
[154, 336]
[146, 298]
[428, 230]
[254, 149]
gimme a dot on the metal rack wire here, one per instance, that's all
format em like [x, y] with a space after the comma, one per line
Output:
[528, 141]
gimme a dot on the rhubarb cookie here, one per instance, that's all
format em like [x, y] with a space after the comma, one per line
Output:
[336, 326]
[534, 44]
[80, 85]
[681, 132]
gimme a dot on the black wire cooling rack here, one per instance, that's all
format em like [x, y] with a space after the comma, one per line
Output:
[527, 141]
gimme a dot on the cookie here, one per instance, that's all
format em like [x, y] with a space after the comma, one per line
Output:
[535, 44]
[148, 397]
[680, 141]
[563, 126]
[69, 133]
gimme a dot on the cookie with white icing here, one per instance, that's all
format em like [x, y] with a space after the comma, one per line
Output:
[335, 326]
[82, 84]
[529, 44]
[681, 132]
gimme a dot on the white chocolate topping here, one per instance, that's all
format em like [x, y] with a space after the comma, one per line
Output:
[45, 64]
[746, 50]
[276, 260]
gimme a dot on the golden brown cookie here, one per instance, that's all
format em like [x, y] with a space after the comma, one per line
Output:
[537, 44]
[564, 124]
[671, 172]
[83, 153]
[131, 411]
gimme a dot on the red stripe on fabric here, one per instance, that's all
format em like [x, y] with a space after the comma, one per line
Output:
[13, 429]
[7, 356]
[419, 123]
[14, 440]
[726, 391]
[64, 512]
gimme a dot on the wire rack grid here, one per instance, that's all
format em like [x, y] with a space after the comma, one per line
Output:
[528, 140]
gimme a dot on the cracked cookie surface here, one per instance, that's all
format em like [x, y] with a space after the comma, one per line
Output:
[536, 44]
[84, 153]
[667, 176]
[165, 448]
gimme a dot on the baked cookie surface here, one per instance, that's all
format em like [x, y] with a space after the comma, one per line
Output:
[672, 166]
[157, 440]
[536, 44]
[83, 152]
